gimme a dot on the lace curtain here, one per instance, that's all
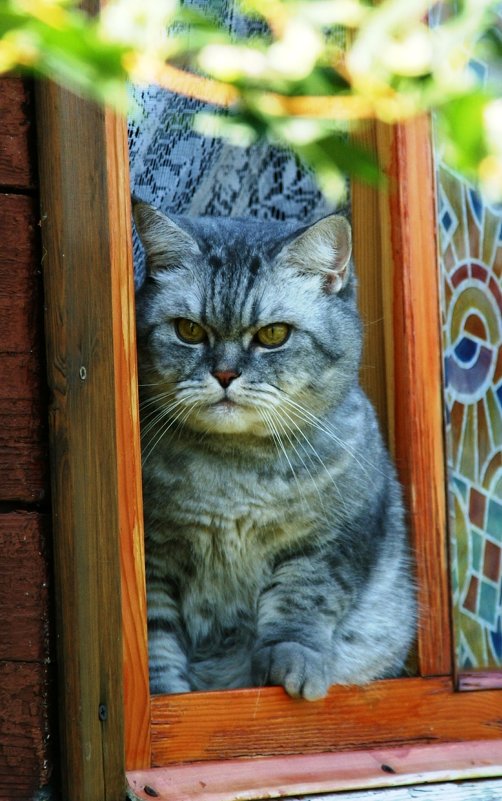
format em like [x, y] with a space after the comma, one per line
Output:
[183, 172]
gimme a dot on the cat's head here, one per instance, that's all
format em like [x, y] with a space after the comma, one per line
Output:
[245, 326]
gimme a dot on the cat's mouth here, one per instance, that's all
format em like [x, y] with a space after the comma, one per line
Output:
[226, 407]
[227, 416]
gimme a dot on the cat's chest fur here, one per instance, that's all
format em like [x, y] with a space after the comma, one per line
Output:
[226, 510]
[218, 536]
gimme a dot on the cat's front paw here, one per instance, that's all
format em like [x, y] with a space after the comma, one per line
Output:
[299, 669]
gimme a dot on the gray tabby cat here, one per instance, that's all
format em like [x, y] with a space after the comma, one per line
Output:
[275, 546]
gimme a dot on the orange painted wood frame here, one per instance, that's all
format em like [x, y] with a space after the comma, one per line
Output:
[89, 331]
[97, 479]
[401, 267]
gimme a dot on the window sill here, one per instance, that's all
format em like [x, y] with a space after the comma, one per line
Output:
[271, 777]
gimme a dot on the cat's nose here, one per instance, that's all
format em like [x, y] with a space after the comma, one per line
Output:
[225, 377]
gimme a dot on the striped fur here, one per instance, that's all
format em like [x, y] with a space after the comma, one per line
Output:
[275, 543]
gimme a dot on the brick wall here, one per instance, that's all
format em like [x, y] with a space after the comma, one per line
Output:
[25, 561]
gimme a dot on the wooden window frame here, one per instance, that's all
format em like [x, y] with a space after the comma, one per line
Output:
[386, 733]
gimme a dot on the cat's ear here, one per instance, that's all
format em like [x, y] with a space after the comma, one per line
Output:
[325, 247]
[165, 243]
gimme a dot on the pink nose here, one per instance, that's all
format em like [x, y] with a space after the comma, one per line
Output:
[225, 377]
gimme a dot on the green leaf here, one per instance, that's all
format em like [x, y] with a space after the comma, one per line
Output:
[349, 158]
[462, 130]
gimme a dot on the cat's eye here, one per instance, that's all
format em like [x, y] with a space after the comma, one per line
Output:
[273, 335]
[189, 331]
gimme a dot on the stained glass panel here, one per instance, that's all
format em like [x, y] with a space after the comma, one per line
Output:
[470, 244]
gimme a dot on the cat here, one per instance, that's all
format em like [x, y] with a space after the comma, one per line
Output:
[276, 549]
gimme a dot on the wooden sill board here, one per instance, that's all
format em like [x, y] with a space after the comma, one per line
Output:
[273, 777]
[246, 723]
[486, 790]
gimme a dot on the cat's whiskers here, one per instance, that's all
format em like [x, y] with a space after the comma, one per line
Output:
[189, 384]
[157, 436]
[314, 452]
[183, 392]
[182, 418]
[270, 399]
[174, 428]
[260, 397]
[285, 429]
[158, 414]
[159, 396]
[177, 391]
[272, 427]
[322, 425]
[155, 413]
[183, 412]
[275, 397]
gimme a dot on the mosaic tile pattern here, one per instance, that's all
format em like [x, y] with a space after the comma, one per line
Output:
[470, 240]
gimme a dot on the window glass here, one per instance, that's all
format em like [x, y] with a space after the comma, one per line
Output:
[470, 245]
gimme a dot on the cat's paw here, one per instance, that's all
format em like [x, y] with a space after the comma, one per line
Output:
[300, 670]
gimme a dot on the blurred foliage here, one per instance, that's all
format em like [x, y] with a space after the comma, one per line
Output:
[314, 73]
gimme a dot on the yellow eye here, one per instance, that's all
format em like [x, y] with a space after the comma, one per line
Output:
[188, 331]
[273, 335]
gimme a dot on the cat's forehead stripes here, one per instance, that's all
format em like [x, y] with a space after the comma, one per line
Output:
[233, 271]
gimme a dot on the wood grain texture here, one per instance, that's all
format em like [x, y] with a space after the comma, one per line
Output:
[25, 754]
[396, 258]
[483, 790]
[24, 587]
[77, 234]
[367, 258]
[414, 372]
[17, 168]
[23, 447]
[245, 723]
[136, 677]
[273, 777]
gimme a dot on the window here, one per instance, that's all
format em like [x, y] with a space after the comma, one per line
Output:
[97, 503]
